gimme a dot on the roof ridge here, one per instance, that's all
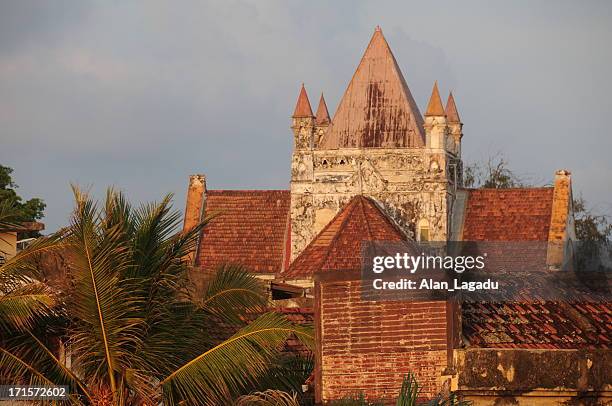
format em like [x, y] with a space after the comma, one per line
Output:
[367, 222]
[246, 190]
[350, 206]
[388, 219]
[511, 188]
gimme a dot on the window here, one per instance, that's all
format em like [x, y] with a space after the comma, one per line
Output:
[423, 230]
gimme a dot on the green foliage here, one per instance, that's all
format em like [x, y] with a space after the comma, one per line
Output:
[135, 332]
[10, 202]
[591, 226]
[287, 373]
[409, 395]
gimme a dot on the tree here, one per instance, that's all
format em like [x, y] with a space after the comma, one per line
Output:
[494, 173]
[591, 226]
[30, 210]
[136, 332]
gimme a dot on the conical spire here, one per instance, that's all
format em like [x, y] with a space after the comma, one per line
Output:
[302, 107]
[452, 115]
[377, 109]
[322, 113]
[434, 108]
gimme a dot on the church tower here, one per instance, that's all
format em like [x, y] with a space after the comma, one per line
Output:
[377, 145]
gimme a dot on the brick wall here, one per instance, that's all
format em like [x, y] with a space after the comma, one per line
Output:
[370, 346]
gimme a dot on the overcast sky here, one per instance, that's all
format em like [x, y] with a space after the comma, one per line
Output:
[141, 94]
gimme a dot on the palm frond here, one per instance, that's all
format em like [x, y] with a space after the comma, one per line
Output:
[20, 307]
[9, 215]
[25, 267]
[231, 293]
[269, 397]
[30, 362]
[105, 327]
[224, 370]
[288, 373]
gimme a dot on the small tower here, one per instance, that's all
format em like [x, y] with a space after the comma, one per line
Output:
[455, 125]
[303, 122]
[322, 120]
[435, 122]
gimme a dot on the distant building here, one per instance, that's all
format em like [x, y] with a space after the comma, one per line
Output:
[380, 171]
[10, 245]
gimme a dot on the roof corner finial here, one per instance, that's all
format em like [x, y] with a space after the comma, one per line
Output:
[302, 107]
[322, 116]
[434, 108]
[378, 29]
[452, 115]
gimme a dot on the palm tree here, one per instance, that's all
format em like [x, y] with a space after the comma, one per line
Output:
[134, 331]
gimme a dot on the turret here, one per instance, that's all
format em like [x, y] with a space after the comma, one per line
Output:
[435, 122]
[455, 126]
[322, 120]
[303, 122]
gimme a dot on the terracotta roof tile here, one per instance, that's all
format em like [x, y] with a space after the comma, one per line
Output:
[338, 245]
[435, 108]
[521, 214]
[250, 229]
[377, 108]
[302, 107]
[538, 325]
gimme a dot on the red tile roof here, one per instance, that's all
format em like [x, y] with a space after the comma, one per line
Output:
[538, 325]
[521, 214]
[524, 215]
[377, 108]
[250, 229]
[338, 245]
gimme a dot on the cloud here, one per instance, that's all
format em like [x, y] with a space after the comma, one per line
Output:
[141, 94]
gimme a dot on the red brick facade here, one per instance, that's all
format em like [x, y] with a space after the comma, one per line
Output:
[369, 346]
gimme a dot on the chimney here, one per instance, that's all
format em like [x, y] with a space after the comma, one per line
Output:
[561, 219]
[196, 195]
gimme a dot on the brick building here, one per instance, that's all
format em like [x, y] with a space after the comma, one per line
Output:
[380, 171]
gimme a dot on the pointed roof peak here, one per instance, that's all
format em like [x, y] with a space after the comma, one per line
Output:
[452, 115]
[377, 108]
[378, 29]
[322, 116]
[302, 107]
[435, 108]
[337, 247]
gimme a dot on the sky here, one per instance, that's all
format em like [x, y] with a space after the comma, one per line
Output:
[141, 94]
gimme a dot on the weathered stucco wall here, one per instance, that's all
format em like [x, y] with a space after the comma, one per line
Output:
[525, 377]
[411, 184]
